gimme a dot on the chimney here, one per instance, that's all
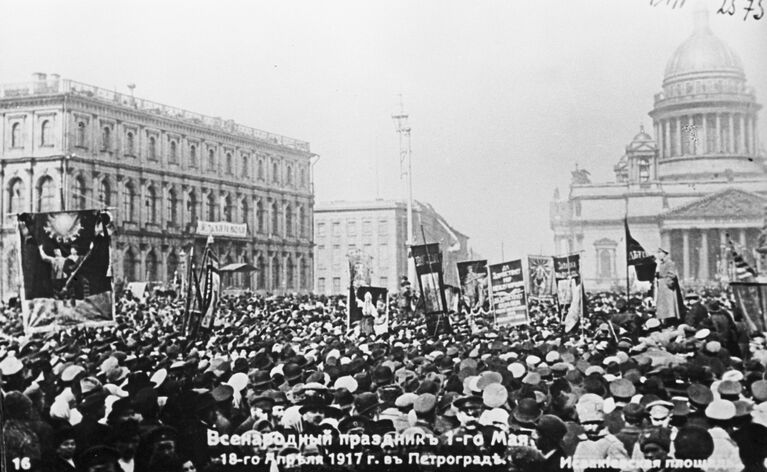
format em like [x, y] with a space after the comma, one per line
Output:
[39, 76]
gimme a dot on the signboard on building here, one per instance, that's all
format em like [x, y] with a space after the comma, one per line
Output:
[222, 228]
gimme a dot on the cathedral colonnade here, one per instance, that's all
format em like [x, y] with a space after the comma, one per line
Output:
[707, 133]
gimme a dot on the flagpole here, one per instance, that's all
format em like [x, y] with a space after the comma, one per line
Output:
[626, 243]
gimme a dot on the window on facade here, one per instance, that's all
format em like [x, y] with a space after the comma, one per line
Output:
[275, 272]
[367, 227]
[644, 170]
[320, 230]
[289, 273]
[210, 210]
[193, 155]
[321, 257]
[289, 221]
[383, 255]
[275, 219]
[228, 209]
[229, 163]
[103, 193]
[151, 204]
[303, 273]
[336, 229]
[289, 175]
[172, 267]
[244, 210]
[129, 202]
[384, 281]
[173, 152]
[45, 134]
[301, 223]
[211, 159]
[336, 285]
[16, 135]
[321, 285]
[80, 134]
[191, 207]
[130, 144]
[16, 196]
[275, 173]
[303, 177]
[151, 266]
[46, 195]
[605, 264]
[172, 206]
[260, 217]
[261, 278]
[260, 169]
[383, 227]
[106, 139]
[336, 257]
[351, 228]
[79, 195]
[245, 165]
[129, 266]
[152, 148]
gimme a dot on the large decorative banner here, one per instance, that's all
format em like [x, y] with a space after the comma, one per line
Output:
[752, 300]
[567, 268]
[541, 277]
[360, 275]
[212, 290]
[428, 268]
[370, 308]
[474, 283]
[65, 270]
[507, 284]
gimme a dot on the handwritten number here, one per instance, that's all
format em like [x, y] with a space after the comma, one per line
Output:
[761, 11]
[730, 11]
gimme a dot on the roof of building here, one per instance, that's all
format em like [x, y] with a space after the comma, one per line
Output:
[732, 202]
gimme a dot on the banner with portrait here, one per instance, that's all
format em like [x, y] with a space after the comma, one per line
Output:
[507, 289]
[751, 298]
[566, 269]
[428, 268]
[370, 309]
[474, 283]
[541, 277]
[360, 275]
[66, 272]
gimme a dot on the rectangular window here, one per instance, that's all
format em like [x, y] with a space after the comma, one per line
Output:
[336, 257]
[367, 227]
[383, 227]
[384, 281]
[351, 228]
[320, 230]
[321, 285]
[321, 257]
[383, 255]
[336, 285]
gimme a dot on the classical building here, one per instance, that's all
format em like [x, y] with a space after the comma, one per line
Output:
[169, 176]
[700, 176]
[378, 228]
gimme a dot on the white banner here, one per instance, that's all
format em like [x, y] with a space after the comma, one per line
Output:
[222, 228]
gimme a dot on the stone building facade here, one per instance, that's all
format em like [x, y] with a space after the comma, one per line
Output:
[701, 177]
[378, 229]
[164, 174]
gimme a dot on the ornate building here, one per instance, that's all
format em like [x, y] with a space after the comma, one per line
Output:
[702, 176]
[378, 229]
[169, 176]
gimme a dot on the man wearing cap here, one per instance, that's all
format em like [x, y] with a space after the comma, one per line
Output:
[668, 295]
[596, 442]
[90, 432]
[550, 431]
[720, 414]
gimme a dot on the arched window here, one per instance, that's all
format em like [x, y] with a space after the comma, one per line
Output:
[605, 264]
[172, 206]
[275, 273]
[229, 163]
[129, 266]
[302, 173]
[303, 274]
[210, 203]
[228, 209]
[244, 211]
[80, 136]
[245, 165]
[260, 217]
[191, 207]
[275, 173]
[79, 195]
[106, 139]
[130, 144]
[290, 273]
[260, 169]
[211, 160]
[275, 219]
[289, 175]
[300, 220]
[16, 135]
[46, 194]
[171, 267]
[173, 152]
[151, 267]
[193, 155]
[16, 196]
[261, 279]
[104, 193]
[45, 134]
[289, 221]
[644, 170]
[152, 148]
[151, 204]
[129, 202]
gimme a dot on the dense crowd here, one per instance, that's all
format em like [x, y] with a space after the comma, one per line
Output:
[284, 378]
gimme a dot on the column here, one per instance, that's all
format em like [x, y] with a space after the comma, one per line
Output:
[703, 256]
[665, 149]
[142, 207]
[742, 137]
[164, 209]
[686, 253]
[742, 237]
[731, 135]
[142, 275]
[754, 149]
[718, 130]
[163, 269]
[184, 201]
[119, 204]
[658, 136]
[678, 144]
[703, 140]
[665, 238]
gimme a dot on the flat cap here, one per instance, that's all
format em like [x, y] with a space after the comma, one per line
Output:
[495, 395]
[622, 388]
[721, 410]
[425, 403]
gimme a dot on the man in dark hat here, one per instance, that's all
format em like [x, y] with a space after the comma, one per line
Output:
[550, 431]
[99, 459]
[64, 444]
[633, 415]
[668, 295]
[90, 432]
[163, 456]
[126, 439]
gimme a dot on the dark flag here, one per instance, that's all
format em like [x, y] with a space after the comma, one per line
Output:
[743, 271]
[212, 290]
[66, 272]
[644, 264]
[428, 268]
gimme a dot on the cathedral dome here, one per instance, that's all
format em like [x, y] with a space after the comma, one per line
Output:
[703, 53]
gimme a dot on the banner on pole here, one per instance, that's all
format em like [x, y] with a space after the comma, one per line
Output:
[567, 268]
[212, 291]
[428, 269]
[752, 300]
[541, 276]
[507, 284]
[474, 283]
[360, 275]
[66, 272]
[370, 308]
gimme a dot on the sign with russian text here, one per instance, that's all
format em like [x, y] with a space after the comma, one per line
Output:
[507, 288]
[222, 228]
[567, 268]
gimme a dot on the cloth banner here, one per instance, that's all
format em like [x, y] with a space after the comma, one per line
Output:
[507, 283]
[752, 300]
[428, 268]
[212, 290]
[370, 309]
[474, 284]
[644, 263]
[360, 275]
[565, 269]
[541, 276]
[66, 273]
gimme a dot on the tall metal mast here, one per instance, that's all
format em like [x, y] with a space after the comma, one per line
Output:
[406, 168]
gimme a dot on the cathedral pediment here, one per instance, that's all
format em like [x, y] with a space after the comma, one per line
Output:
[729, 202]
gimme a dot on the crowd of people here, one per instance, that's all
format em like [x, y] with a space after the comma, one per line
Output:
[284, 383]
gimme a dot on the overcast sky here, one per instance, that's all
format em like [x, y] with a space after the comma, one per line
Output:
[504, 96]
